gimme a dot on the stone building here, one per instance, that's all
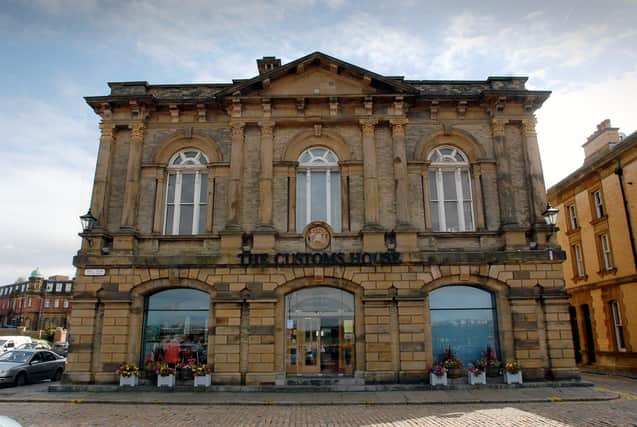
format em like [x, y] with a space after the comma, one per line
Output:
[318, 219]
[36, 303]
[599, 202]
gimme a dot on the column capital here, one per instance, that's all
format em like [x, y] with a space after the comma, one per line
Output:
[267, 127]
[137, 130]
[398, 126]
[528, 126]
[107, 130]
[497, 126]
[367, 125]
[237, 128]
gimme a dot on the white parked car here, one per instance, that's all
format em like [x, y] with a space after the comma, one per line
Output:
[8, 343]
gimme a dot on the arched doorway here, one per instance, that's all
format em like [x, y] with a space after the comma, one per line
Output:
[464, 319]
[176, 327]
[319, 324]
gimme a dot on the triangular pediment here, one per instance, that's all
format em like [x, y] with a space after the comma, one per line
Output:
[318, 74]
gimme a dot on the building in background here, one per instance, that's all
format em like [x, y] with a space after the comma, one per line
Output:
[318, 219]
[36, 303]
[598, 222]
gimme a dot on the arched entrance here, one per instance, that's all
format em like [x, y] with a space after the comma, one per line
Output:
[319, 324]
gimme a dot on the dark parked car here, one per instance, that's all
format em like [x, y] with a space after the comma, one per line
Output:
[22, 366]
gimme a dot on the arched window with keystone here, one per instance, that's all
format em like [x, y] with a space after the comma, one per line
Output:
[450, 203]
[187, 193]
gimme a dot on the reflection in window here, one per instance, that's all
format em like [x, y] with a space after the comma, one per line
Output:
[187, 194]
[450, 190]
[463, 318]
[176, 327]
[318, 189]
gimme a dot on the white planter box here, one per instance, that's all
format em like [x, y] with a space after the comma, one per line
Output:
[168, 381]
[202, 381]
[477, 379]
[437, 379]
[513, 378]
[131, 381]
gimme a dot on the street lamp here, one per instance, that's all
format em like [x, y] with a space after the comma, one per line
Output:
[88, 221]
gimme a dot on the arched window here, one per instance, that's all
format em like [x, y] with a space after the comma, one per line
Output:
[463, 318]
[176, 327]
[187, 193]
[450, 202]
[318, 188]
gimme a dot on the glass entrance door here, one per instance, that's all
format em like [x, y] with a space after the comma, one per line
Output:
[320, 331]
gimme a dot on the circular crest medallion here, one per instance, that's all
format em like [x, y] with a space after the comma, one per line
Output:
[318, 236]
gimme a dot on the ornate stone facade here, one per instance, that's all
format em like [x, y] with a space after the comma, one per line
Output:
[421, 185]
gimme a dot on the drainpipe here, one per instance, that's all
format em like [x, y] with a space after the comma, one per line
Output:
[620, 176]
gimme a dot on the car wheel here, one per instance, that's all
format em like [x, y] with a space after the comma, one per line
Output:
[57, 376]
[21, 379]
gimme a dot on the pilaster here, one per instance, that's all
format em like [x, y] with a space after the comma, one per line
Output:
[505, 192]
[370, 174]
[265, 178]
[101, 191]
[536, 176]
[400, 173]
[133, 173]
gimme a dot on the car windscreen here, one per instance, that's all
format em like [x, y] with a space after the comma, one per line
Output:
[16, 356]
[2, 342]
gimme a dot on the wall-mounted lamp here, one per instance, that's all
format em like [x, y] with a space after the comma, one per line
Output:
[88, 221]
[550, 217]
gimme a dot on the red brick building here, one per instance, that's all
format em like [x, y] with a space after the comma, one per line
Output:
[36, 303]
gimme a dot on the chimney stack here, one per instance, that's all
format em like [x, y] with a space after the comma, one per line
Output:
[268, 63]
[599, 142]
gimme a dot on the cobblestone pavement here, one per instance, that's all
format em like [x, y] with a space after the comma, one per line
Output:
[620, 412]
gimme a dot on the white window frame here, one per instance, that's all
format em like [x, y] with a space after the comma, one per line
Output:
[58, 287]
[599, 204]
[607, 256]
[47, 303]
[617, 324]
[572, 216]
[56, 303]
[49, 287]
[186, 165]
[451, 163]
[68, 287]
[319, 164]
[29, 302]
[580, 271]
[66, 303]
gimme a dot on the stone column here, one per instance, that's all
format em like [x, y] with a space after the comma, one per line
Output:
[160, 190]
[370, 173]
[99, 200]
[236, 170]
[133, 173]
[265, 178]
[505, 193]
[536, 177]
[400, 173]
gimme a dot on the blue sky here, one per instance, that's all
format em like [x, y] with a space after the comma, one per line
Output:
[54, 52]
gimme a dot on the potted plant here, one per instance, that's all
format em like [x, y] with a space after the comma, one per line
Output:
[438, 375]
[512, 373]
[201, 374]
[476, 373]
[491, 362]
[128, 375]
[184, 370]
[165, 375]
[452, 363]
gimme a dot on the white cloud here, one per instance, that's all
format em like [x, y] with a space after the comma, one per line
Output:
[570, 116]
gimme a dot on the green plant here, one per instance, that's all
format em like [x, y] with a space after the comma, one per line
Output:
[201, 370]
[449, 359]
[512, 367]
[126, 370]
[163, 370]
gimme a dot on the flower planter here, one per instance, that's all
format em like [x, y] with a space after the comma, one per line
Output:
[474, 379]
[168, 381]
[438, 379]
[202, 381]
[130, 381]
[513, 378]
[456, 372]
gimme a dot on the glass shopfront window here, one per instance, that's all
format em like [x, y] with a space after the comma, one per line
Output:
[320, 331]
[176, 328]
[463, 318]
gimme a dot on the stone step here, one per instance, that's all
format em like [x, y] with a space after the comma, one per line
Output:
[318, 381]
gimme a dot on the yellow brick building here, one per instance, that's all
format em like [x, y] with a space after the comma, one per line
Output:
[318, 219]
[598, 220]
